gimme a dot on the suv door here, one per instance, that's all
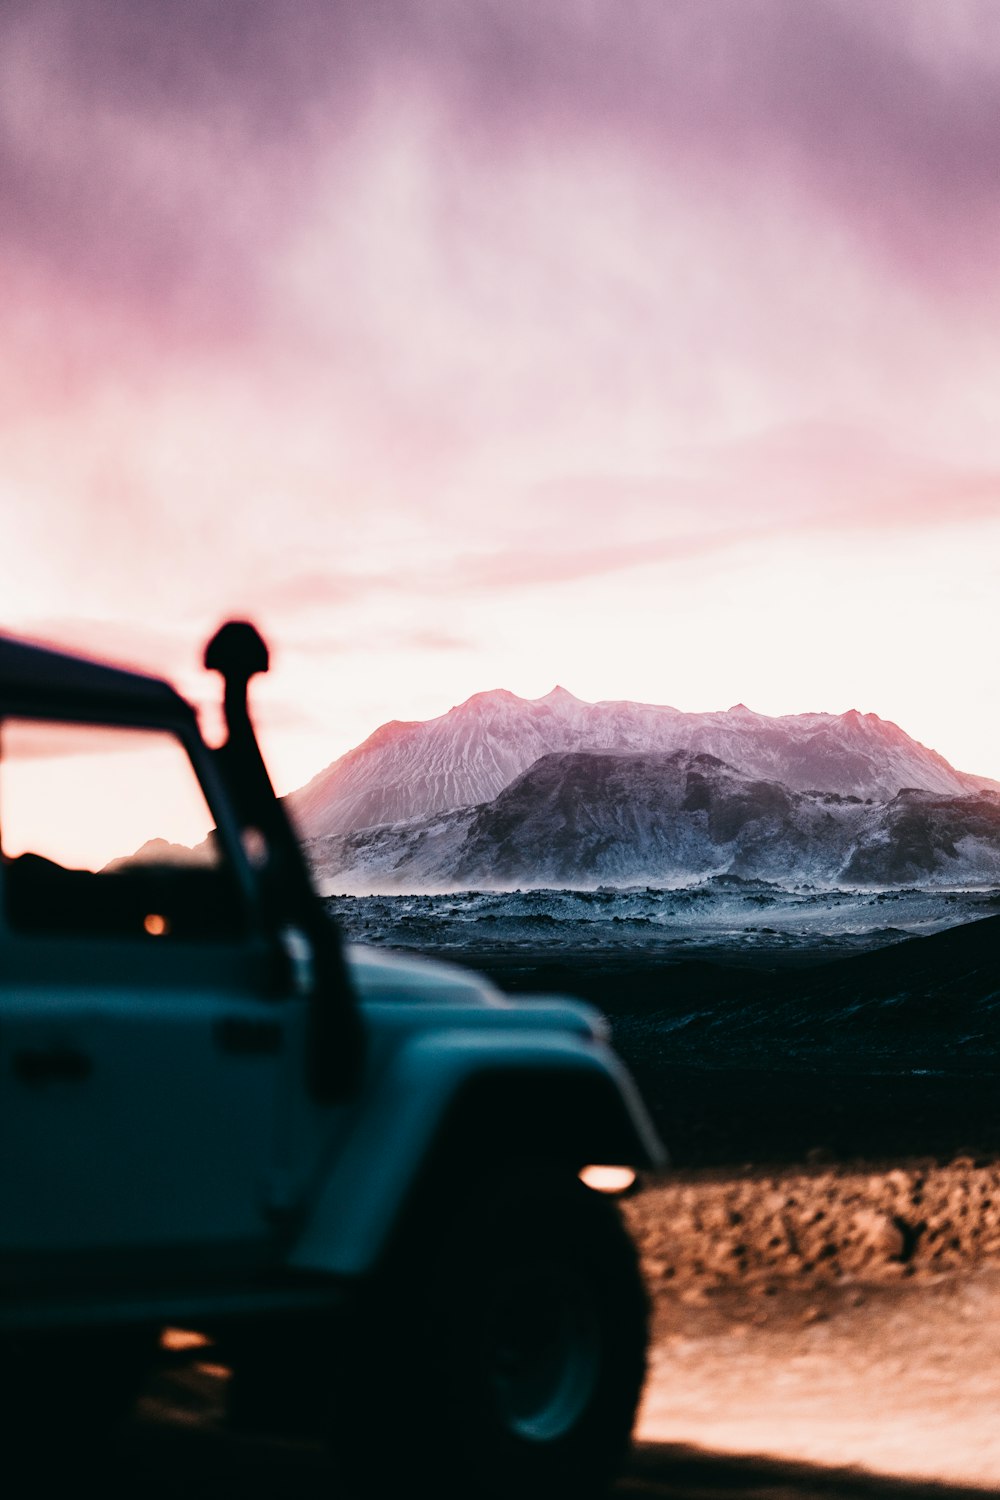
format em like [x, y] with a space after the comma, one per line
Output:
[141, 1055]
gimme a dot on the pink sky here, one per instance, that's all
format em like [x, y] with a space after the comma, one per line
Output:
[650, 349]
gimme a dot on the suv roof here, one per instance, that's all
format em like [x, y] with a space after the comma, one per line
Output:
[36, 678]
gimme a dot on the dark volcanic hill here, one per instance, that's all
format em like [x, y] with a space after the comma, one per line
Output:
[589, 818]
[930, 1002]
[466, 757]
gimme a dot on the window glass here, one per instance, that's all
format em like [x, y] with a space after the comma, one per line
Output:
[106, 829]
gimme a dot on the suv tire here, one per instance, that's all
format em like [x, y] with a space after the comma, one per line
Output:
[505, 1357]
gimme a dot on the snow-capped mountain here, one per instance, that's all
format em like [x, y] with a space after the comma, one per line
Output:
[587, 818]
[466, 757]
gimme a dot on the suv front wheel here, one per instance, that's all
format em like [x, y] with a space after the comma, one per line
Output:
[503, 1356]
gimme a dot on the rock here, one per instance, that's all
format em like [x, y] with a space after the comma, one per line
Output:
[800, 1228]
[880, 1233]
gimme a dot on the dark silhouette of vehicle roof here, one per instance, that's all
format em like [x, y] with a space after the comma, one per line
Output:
[40, 679]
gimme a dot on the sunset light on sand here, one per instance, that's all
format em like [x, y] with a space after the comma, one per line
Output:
[649, 351]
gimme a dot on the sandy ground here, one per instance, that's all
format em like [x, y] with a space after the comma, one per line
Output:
[898, 1381]
[835, 1316]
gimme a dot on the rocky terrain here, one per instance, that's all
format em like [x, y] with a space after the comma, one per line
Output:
[705, 1232]
[593, 818]
[616, 930]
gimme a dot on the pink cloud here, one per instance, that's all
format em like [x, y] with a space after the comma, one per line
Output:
[158, 163]
[357, 318]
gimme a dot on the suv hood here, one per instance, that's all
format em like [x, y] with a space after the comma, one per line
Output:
[377, 975]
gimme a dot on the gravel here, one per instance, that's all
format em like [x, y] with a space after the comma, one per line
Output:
[702, 1231]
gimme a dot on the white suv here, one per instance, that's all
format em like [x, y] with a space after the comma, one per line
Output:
[358, 1175]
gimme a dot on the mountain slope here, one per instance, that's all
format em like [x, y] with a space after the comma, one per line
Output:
[587, 818]
[467, 756]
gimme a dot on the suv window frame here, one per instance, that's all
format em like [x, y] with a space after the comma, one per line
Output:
[183, 728]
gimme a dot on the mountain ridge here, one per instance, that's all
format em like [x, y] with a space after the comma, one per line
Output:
[410, 769]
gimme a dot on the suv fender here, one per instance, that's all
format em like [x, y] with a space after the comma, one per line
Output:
[552, 1095]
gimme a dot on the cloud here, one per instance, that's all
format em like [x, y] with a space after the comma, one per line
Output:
[323, 589]
[458, 218]
[431, 640]
[421, 638]
[528, 567]
[825, 474]
[163, 155]
[335, 314]
[146, 156]
[797, 480]
[877, 112]
[158, 160]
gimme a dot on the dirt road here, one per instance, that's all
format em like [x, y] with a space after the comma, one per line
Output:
[888, 1391]
[898, 1381]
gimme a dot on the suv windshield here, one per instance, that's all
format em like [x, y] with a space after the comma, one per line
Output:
[106, 829]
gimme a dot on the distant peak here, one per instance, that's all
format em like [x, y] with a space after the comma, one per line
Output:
[855, 716]
[741, 708]
[559, 694]
[491, 695]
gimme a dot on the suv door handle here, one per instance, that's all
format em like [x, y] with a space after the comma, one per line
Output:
[51, 1065]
